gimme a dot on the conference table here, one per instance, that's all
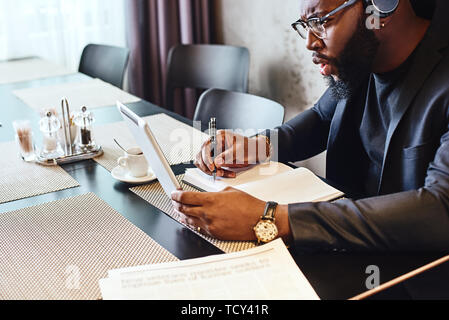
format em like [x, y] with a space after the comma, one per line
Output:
[334, 275]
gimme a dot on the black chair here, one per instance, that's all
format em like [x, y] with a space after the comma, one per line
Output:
[236, 110]
[104, 62]
[206, 66]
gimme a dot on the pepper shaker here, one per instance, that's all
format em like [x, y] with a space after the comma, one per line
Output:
[84, 121]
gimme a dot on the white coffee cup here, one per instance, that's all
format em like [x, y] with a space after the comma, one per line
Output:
[134, 163]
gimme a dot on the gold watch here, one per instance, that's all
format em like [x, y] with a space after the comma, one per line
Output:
[266, 230]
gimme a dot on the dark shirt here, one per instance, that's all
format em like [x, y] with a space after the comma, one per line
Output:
[383, 92]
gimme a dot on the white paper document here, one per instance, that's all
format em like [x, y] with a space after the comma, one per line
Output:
[264, 273]
[254, 174]
[30, 69]
[270, 182]
[93, 93]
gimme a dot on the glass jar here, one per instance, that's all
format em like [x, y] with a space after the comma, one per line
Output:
[84, 121]
[49, 126]
[24, 140]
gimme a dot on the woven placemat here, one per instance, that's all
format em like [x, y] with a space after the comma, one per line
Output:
[93, 93]
[20, 180]
[60, 250]
[155, 195]
[179, 142]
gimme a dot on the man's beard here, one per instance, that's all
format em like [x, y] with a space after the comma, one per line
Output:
[355, 62]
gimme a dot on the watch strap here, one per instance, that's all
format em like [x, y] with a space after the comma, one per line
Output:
[270, 210]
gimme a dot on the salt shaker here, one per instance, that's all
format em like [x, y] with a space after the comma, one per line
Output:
[49, 126]
[84, 121]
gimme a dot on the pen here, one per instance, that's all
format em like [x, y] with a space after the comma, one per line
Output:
[213, 140]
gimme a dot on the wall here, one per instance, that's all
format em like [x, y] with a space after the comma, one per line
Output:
[281, 66]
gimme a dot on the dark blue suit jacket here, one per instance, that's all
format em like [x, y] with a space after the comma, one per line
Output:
[411, 209]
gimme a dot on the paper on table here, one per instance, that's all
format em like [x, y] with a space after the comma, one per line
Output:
[299, 185]
[270, 182]
[205, 182]
[29, 69]
[263, 273]
[91, 93]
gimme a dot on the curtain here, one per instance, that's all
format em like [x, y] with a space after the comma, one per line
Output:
[153, 27]
[58, 30]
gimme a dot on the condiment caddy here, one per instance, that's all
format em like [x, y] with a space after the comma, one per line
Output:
[71, 149]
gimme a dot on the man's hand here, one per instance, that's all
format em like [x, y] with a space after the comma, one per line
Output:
[227, 215]
[233, 151]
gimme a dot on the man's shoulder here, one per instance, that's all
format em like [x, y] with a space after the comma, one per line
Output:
[431, 64]
[434, 91]
[440, 73]
[440, 21]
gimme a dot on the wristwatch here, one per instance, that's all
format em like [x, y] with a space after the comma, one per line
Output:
[266, 230]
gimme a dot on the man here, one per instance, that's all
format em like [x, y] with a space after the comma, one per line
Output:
[384, 123]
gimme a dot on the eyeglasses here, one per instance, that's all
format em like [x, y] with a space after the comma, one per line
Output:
[316, 25]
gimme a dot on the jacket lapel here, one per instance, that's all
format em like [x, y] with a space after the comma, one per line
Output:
[427, 57]
[332, 147]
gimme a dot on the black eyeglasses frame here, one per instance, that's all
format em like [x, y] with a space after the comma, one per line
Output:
[322, 20]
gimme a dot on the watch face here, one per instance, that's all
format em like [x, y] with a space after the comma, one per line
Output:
[266, 231]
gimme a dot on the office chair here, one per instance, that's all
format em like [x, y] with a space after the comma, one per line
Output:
[107, 63]
[236, 110]
[206, 66]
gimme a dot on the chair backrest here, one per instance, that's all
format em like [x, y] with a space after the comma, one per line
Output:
[107, 63]
[236, 110]
[206, 66]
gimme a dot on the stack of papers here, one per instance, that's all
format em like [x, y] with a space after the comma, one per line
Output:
[264, 273]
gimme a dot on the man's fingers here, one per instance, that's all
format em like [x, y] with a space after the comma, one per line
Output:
[206, 157]
[224, 159]
[194, 223]
[201, 165]
[225, 173]
[189, 198]
[228, 159]
[187, 210]
[221, 139]
[197, 225]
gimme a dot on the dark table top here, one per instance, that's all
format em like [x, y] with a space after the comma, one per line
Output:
[333, 275]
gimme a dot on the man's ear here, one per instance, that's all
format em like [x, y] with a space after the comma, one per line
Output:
[379, 12]
[374, 21]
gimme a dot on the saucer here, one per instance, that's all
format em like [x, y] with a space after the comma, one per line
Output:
[120, 174]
